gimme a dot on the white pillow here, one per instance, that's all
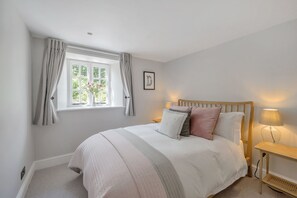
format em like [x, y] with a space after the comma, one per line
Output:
[229, 126]
[172, 123]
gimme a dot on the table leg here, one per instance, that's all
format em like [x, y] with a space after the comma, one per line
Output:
[267, 163]
[260, 171]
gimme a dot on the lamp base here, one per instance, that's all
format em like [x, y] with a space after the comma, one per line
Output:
[270, 134]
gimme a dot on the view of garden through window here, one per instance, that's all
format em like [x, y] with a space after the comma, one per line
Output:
[83, 73]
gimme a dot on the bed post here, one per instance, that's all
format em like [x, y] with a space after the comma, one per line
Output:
[250, 141]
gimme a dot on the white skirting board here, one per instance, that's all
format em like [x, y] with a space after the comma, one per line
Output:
[52, 161]
[62, 159]
[26, 182]
[41, 164]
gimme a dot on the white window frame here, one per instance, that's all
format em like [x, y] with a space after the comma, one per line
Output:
[90, 65]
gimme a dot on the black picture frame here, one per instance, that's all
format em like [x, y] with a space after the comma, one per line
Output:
[148, 80]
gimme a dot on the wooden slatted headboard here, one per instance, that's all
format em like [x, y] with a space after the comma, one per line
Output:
[247, 122]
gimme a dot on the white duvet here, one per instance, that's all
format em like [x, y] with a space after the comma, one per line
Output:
[204, 167]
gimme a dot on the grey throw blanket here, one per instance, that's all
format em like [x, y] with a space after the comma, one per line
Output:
[117, 163]
[162, 165]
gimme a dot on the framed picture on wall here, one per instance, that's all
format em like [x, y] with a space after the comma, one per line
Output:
[148, 80]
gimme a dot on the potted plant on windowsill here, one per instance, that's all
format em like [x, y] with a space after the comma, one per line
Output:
[93, 88]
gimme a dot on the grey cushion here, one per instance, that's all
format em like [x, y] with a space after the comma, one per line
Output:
[186, 127]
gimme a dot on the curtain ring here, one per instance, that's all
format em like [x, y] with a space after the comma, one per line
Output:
[52, 98]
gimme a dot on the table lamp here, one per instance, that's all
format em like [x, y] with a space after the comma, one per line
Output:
[271, 117]
[168, 105]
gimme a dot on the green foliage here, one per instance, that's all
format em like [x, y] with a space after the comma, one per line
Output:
[75, 83]
[84, 70]
[75, 70]
[101, 97]
[104, 97]
[95, 72]
[103, 83]
[84, 82]
[102, 73]
[81, 88]
[75, 97]
[84, 97]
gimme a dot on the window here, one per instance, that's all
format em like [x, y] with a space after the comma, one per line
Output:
[83, 75]
[83, 67]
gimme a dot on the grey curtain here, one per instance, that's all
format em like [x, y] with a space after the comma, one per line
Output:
[53, 60]
[126, 73]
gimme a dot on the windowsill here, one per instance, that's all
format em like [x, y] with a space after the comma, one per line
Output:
[88, 108]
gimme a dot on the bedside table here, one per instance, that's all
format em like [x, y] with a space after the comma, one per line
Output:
[283, 151]
[157, 120]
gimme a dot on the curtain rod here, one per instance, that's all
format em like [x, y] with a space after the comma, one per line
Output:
[93, 50]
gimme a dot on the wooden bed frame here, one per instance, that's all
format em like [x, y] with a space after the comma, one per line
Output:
[247, 122]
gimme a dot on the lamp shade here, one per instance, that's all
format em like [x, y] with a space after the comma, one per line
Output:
[271, 117]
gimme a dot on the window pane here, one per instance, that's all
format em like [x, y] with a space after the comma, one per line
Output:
[103, 84]
[102, 73]
[97, 99]
[96, 82]
[81, 73]
[75, 83]
[84, 97]
[84, 82]
[75, 70]
[75, 97]
[84, 71]
[103, 97]
[95, 72]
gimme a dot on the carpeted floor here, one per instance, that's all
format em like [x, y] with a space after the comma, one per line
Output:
[61, 182]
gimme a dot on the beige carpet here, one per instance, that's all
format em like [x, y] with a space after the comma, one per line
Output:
[61, 182]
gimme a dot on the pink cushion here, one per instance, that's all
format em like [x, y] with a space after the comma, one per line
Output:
[203, 121]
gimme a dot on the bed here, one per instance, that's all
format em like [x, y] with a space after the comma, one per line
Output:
[138, 161]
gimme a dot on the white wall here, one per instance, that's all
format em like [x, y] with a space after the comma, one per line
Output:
[16, 145]
[76, 125]
[261, 67]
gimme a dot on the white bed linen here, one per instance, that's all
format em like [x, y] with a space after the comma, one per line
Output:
[205, 167]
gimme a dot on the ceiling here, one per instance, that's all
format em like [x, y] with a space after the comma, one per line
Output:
[160, 30]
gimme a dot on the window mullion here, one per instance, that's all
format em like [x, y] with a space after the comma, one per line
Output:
[70, 84]
[90, 79]
[79, 83]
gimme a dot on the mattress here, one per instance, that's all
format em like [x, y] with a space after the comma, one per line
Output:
[203, 167]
